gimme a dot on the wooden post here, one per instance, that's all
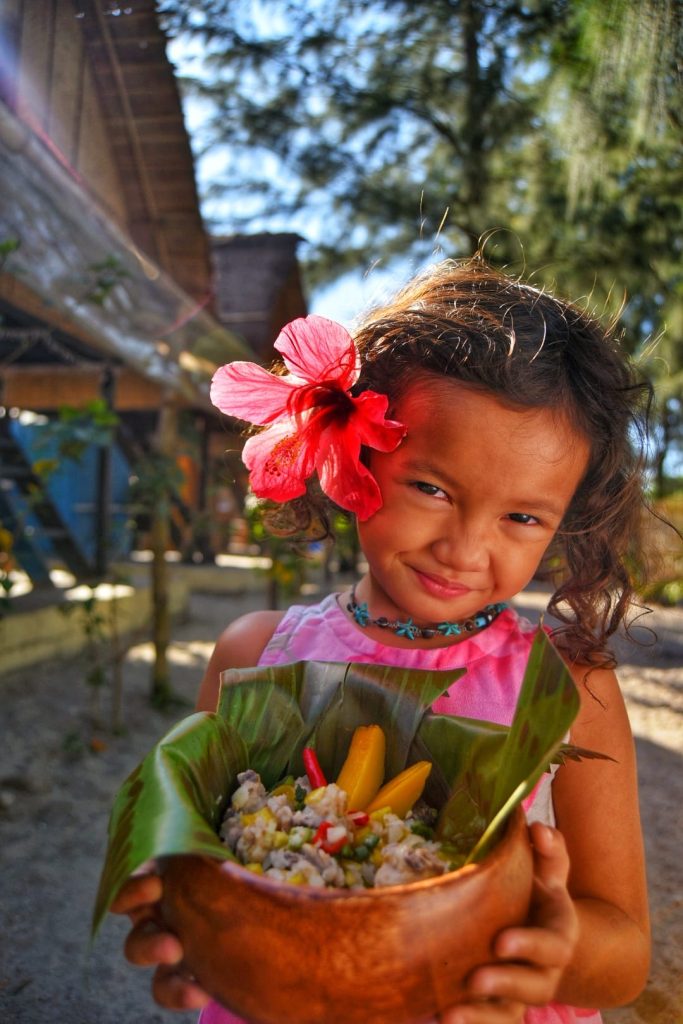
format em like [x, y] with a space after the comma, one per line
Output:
[203, 540]
[166, 446]
[103, 497]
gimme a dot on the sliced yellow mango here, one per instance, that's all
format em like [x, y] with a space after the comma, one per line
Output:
[363, 770]
[403, 790]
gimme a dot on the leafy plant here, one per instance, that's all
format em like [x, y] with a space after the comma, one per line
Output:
[287, 555]
[174, 800]
[98, 620]
[8, 246]
[74, 430]
[104, 275]
[156, 478]
[6, 567]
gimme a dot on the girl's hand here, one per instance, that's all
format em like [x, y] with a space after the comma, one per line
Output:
[531, 959]
[149, 945]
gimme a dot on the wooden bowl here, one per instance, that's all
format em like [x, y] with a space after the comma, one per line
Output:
[273, 952]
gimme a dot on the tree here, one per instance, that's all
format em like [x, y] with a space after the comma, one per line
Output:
[388, 127]
[610, 188]
[379, 124]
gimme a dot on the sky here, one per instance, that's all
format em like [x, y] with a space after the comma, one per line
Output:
[345, 299]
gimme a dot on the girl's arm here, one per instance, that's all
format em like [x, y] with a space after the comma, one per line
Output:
[596, 804]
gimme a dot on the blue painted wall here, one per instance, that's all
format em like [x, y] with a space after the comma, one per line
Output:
[72, 488]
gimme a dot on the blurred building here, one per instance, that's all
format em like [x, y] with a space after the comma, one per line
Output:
[106, 279]
[258, 287]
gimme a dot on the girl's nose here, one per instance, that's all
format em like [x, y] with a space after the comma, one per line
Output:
[462, 549]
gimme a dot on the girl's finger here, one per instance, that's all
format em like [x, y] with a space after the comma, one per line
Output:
[485, 1012]
[551, 860]
[515, 982]
[147, 945]
[552, 930]
[177, 990]
[136, 893]
[549, 946]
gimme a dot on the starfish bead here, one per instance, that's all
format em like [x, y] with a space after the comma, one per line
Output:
[408, 629]
[449, 628]
[361, 613]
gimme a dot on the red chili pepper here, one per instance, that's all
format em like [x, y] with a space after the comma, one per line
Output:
[320, 838]
[322, 830]
[335, 847]
[359, 818]
[313, 769]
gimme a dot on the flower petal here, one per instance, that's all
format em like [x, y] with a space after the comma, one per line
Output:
[369, 422]
[342, 475]
[316, 349]
[250, 393]
[279, 459]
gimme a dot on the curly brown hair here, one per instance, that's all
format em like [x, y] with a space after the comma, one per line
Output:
[468, 321]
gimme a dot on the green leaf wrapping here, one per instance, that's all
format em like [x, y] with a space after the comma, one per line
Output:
[498, 776]
[174, 800]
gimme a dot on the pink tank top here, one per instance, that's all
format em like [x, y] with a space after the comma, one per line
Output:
[495, 660]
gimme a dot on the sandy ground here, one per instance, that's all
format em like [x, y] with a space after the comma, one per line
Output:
[55, 794]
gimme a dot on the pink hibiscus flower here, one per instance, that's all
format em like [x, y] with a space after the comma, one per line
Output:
[312, 422]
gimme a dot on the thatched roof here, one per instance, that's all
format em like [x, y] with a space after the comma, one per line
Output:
[97, 186]
[141, 106]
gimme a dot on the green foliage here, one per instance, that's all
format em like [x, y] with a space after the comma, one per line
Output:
[97, 621]
[102, 278]
[8, 246]
[659, 571]
[149, 815]
[379, 145]
[74, 430]
[288, 557]
[667, 592]
[156, 478]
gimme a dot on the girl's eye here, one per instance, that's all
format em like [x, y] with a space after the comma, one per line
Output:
[431, 489]
[524, 518]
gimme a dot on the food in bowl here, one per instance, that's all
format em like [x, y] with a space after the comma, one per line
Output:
[348, 834]
[310, 836]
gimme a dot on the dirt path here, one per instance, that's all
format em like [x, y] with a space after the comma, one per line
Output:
[55, 794]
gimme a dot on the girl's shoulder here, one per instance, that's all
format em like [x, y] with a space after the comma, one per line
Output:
[240, 645]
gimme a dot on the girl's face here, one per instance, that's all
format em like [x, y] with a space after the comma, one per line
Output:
[472, 497]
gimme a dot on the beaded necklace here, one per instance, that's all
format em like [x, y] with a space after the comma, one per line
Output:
[411, 631]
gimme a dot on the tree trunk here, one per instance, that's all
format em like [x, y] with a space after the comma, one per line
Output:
[165, 445]
[474, 159]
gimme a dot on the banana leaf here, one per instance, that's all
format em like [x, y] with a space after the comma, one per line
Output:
[175, 799]
[495, 773]
[320, 704]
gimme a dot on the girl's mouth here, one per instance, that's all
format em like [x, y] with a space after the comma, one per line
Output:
[440, 587]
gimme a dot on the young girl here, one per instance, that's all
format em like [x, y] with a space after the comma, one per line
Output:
[475, 427]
